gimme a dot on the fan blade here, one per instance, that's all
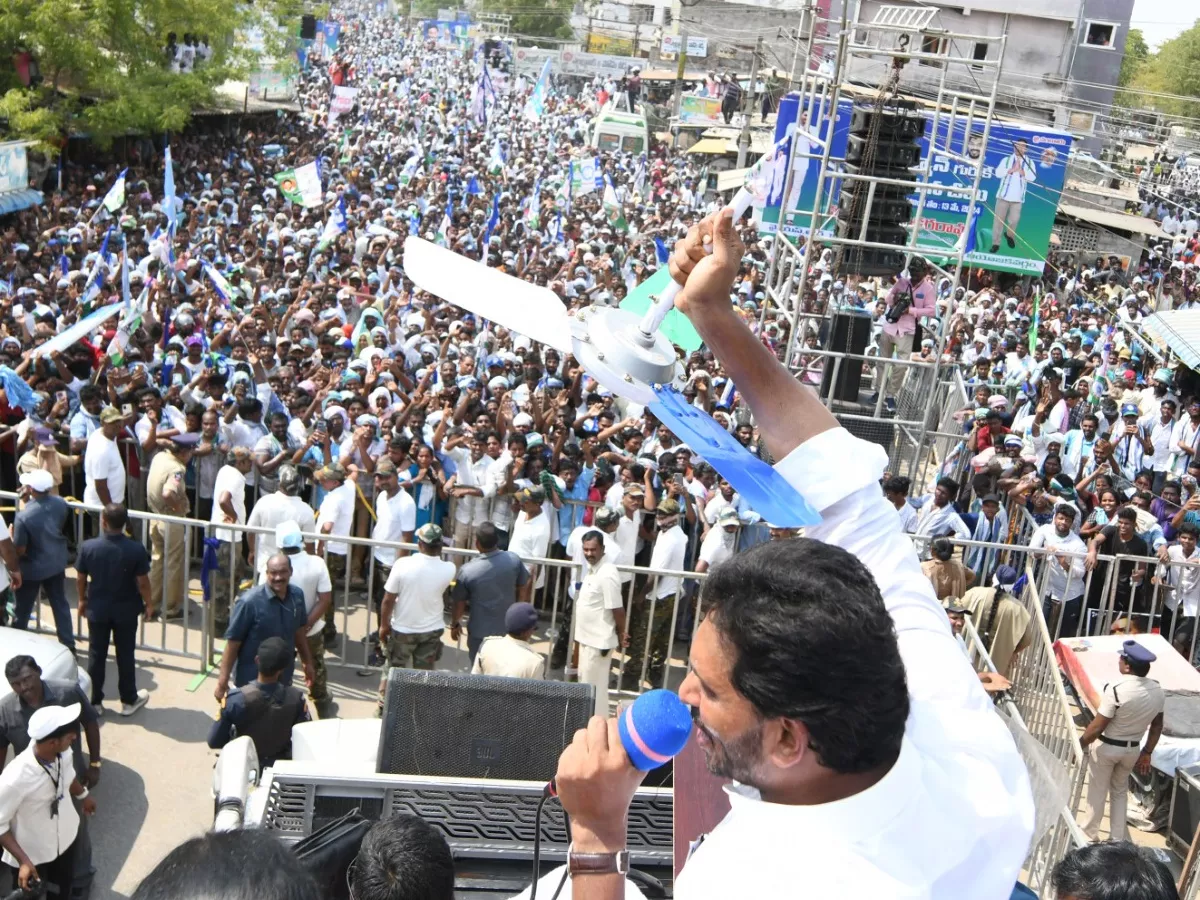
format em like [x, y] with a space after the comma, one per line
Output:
[769, 493]
[517, 305]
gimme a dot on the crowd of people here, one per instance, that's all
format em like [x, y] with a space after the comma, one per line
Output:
[273, 374]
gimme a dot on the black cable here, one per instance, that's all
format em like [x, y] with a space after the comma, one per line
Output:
[567, 867]
[537, 845]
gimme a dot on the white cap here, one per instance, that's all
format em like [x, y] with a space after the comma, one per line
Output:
[288, 536]
[39, 480]
[522, 419]
[48, 719]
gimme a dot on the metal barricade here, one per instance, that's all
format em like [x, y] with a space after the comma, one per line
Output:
[668, 598]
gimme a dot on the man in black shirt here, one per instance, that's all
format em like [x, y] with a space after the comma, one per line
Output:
[114, 589]
[1120, 540]
[265, 710]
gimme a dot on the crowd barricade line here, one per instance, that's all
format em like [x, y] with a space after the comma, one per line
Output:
[355, 606]
[1061, 834]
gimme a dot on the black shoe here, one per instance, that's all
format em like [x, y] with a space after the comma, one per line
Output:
[330, 634]
[1009, 240]
[995, 248]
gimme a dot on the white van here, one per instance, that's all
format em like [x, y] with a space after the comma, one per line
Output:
[616, 129]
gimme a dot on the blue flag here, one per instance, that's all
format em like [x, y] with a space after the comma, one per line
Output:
[19, 393]
[661, 253]
[492, 222]
[169, 202]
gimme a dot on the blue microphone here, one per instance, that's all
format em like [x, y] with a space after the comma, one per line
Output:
[653, 729]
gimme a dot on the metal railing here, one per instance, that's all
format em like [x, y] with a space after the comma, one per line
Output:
[647, 593]
[1058, 833]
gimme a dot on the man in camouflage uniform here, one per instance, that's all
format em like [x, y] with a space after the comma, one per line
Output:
[411, 620]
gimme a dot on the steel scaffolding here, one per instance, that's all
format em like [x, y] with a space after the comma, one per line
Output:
[900, 35]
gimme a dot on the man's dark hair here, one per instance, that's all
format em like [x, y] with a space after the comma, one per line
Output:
[249, 406]
[1115, 870]
[812, 641]
[942, 548]
[1092, 417]
[1128, 513]
[90, 392]
[897, 484]
[115, 516]
[403, 858]
[13, 667]
[594, 535]
[1188, 528]
[1065, 509]
[273, 656]
[230, 865]
[950, 486]
[486, 537]
[517, 439]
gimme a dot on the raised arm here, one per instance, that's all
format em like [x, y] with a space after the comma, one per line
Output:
[837, 473]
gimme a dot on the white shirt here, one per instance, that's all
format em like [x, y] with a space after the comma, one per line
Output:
[497, 474]
[1068, 583]
[338, 508]
[958, 781]
[470, 509]
[574, 551]
[1184, 578]
[531, 540]
[419, 581]
[669, 550]
[717, 546]
[102, 461]
[229, 479]
[269, 511]
[311, 575]
[397, 516]
[26, 792]
[599, 595]
[627, 541]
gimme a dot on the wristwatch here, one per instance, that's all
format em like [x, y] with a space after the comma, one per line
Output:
[597, 863]
[94, 764]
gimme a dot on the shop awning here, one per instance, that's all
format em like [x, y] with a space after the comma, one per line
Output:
[718, 146]
[1179, 329]
[731, 180]
[1112, 219]
[14, 201]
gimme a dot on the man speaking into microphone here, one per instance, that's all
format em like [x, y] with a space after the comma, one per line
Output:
[824, 679]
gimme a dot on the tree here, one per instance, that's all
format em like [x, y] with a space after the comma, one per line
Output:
[535, 18]
[1136, 53]
[1174, 69]
[103, 67]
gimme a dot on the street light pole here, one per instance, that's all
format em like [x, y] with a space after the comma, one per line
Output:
[678, 100]
[748, 107]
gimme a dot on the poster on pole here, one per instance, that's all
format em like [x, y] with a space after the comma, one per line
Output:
[342, 102]
[694, 110]
[1024, 168]
[795, 216]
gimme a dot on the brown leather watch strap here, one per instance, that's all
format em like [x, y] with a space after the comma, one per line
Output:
[598, 863]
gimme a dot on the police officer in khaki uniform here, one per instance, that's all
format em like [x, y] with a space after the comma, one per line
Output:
[166, 494]
[511, 654]
[1128, 706]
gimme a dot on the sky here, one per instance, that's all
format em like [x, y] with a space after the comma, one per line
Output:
[1161, 20]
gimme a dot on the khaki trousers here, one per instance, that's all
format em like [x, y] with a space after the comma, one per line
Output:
[1109, 768]
[168, 546]
[594, 668]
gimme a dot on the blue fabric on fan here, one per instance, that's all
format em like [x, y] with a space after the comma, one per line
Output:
[768, 493]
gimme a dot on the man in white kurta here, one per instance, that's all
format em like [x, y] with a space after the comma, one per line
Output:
[948, 814]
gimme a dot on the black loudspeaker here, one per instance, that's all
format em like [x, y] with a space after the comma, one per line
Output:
[1185, 809]
[882, 143]
[308, 28]
[449, 724]
[851, 333]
